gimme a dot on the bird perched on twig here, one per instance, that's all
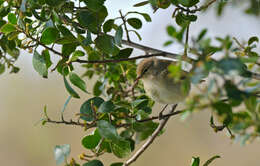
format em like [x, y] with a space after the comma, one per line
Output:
[157, 81]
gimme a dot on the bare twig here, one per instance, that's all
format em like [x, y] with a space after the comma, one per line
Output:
[150, 140]
[124, 23]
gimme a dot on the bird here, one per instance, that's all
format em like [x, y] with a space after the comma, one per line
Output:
[158, 84]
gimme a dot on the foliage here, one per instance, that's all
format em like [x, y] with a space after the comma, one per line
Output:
[120, 113]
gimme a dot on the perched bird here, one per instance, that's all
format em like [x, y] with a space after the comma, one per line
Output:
[158, 84]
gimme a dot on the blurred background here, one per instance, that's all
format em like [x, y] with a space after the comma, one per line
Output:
[23, 142]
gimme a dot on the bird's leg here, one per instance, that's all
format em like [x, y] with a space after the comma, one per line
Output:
[161, 113]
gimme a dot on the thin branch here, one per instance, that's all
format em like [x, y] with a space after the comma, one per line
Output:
[120, 60]
[150, 140]
[124, 23]
[186, 42]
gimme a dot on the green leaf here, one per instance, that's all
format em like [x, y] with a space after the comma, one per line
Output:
[202, 34]
[86, 108]
[167, 43]
[12, 18]
[121, 149]
[251, 103]
[135, 22]
[54, 3]
[210, 160]
[188, 3]
[195, 161]
[171, 31]
[61, 153]
[7, 28]
[49, 35]
[117, 164]
[144, 130]
[91, 141]
[76, 55]
[66, 33]
[106, 107]
[108, 131]
[124, 53]
[140, 103]
[252, 40]
[95, 5]
[106, 44]
[77, 81]
[225, 110]
[108, 25]
[93, 163]
[137, 34]
[97, 88]
[181, 20]
[145, 16]
[47, 58]
[141, 4]
[2, 68]
[69, 89]
[118, 36]
[39, 64]
[67, 49]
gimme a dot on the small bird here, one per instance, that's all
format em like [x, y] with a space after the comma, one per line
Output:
[157, 82]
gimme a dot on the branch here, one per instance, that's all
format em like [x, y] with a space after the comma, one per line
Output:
[150, 140]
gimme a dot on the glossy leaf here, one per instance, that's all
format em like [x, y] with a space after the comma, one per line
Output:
[7, 28]
[107, 130]
[121, 149]
[39, 64]
[135, 22]
[195, 161]
[12, 18]
[91, 141]
[77, 81]
[93, 163]
[49, 35]
[106, 44]
[87, 107]
[71, 91]
[106, 107]
[108, 25]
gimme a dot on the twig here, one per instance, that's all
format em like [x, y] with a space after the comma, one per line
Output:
[124, 23]
[186, 42]
[150, 140]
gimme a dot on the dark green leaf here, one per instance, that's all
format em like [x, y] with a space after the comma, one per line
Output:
[87, 107]
[181, 20]
[167, 43]
[67, 49]
[49, 35]
[118, 36]
[106, 44]
[69, 89]
[47, 58]
[140, 103]
[54, 3]
[144, 130]
[12, 18]
[65, 32]
[61, 153]
[77, 81]
[106, 107]
[108, 131]
[91, 141]
[210, 160]
[93, 163]
[188, 3]
[39, 64]
[124, 53]
[89, 20]
[2, 68]
[95, 5]
[145, 16]
[195, 161]
[97, 88]
[108, 25]
[121, 149]
[137, 34]
[252, 40]
[135, 22]
[202, 34]
[7, 28]
[141, 4]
